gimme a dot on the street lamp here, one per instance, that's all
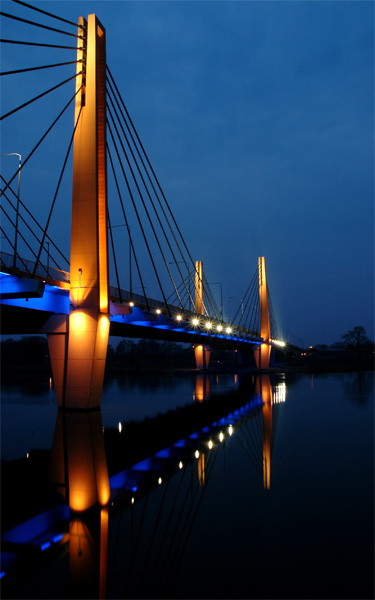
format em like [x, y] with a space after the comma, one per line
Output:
[18, 201]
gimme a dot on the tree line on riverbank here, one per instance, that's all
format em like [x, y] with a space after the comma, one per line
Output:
[355, 350]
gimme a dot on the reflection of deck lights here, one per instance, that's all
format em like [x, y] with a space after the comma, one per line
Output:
[132, 500]
[279, 393]
[120, 427]
[230, 429]
[180, 465]
[160, 480]
[210, 444]
[221, 436]
[196, 454]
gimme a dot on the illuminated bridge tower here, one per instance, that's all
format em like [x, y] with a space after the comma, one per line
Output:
[78, 347]
[262, 356]
[202, 353]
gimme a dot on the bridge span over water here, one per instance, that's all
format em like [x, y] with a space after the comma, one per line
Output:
[77, 307]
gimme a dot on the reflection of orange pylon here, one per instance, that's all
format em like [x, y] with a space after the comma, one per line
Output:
[201, 469]
[202, 388]
[262, 356]
[78, 468]
[78, 349]
[264, 388]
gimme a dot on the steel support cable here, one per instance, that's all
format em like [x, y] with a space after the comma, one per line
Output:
[114, 256]
[32, 152]
[8, 16]
[252, 313]
[178, 521]
[254, 434]
[153, 172]
[274, 326]
[152, 538]
[22, 237]
[40, 141]
[211, 300]
[259, 428]
[55, 87]
[161, 545]
[134, 553]
[135, 209]
[72, 62]
[252, 305]
[256, 447]
[249, 451]
[57, 191]
[22, 43]
[152, 227]
[147, 173]
[247, 304]
[127, 225]
[44, 12]
[12, 246]
[30, 229]
[240, 305]
[149, 196]
[209, 470]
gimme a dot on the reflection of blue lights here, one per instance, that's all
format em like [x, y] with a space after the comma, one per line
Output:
[45, 546]
[2, 574]
[134, 488]
[193, 436]
[164, 453]
[57, 538]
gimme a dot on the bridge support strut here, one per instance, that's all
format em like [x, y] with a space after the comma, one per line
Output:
[78, 359]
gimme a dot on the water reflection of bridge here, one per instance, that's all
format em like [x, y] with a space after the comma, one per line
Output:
[104, 481]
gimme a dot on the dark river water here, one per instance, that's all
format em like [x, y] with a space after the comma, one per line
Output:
[226, 487]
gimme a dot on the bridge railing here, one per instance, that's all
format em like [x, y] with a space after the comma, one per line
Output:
[23, 265]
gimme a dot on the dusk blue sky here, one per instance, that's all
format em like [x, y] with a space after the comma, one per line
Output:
[258, 118]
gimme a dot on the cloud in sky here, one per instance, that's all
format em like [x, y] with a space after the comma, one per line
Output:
[258, 119]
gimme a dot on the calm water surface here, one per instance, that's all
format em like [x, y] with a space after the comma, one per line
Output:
[210, 529]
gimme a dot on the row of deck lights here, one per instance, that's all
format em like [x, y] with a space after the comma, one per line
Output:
[196, 322]
[209, 325]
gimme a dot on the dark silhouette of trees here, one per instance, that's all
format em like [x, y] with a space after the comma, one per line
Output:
[357, 342]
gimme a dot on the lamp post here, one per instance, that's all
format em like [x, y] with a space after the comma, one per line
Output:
[221, 295]
[18, 201]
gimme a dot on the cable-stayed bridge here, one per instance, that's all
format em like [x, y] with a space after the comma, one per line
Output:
[121, 227]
